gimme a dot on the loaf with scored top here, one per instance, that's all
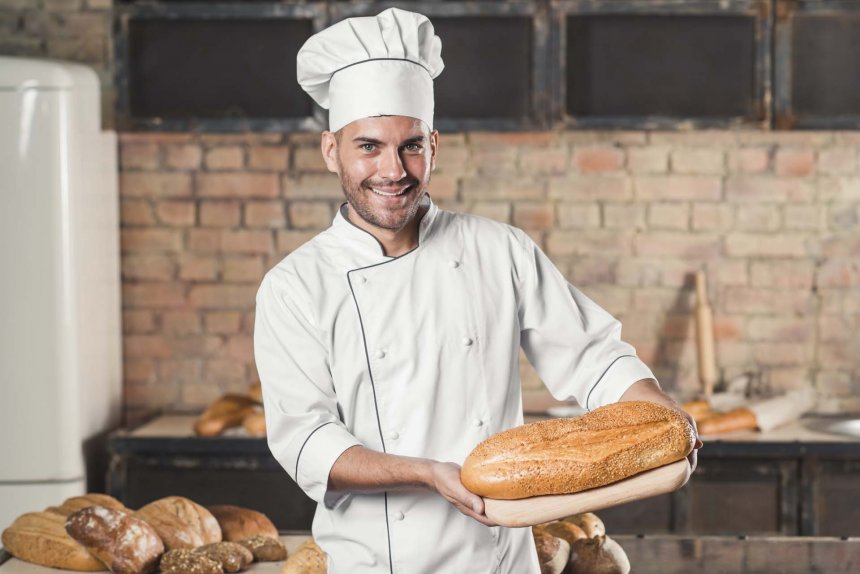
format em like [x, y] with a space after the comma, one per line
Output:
[564, 456]
[41, 538]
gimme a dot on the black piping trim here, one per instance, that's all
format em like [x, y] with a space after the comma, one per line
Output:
[601, 378]
[298, 456]
[383, 59]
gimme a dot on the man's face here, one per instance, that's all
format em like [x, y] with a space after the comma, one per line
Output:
[384, 164]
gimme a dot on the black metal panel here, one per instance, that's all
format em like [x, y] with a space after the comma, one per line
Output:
[832, 501]
[816, 60]
[646, 64]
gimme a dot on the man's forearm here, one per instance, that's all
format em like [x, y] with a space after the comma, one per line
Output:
[360, 469]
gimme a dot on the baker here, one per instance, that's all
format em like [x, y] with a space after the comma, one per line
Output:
[387, 345]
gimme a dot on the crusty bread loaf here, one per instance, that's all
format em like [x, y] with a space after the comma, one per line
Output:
[265, 549]
[563, 456]
[127, 544]
[565, 530]
[255, 423]
[41, 538]
[181, 523]
[307, 559]
[699, 409]
[552, 552]
[239, 523]
[232, 556]
[224, 413]
[735, 420]
[75, 503]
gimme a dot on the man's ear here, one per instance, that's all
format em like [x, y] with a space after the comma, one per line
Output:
[328, 146]
[434, 147]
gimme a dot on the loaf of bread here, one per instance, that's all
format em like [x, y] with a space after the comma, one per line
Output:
[255, 423]
[239, 523]
[226, 412]
[553, 553]
[41, 538]
[699, 410]
[564, 530]
[563, 456]
[735, 420]
[307, 559]
[255, 391]
[188, 562]
[75, 503]
[265, 549]
[125, 543]
[232, 556]
[181, 523]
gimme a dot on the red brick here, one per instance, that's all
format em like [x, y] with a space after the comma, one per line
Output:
[754, 300]
[580, 188]
[668, 216]
[248, 324]
[151, 240]
[764, 189]
[138, 370]
[225, 371]
[598, 159]
[139, 156]
[542, 160]
[495, 210]
[197, 346]
[289, 241]
[204, 240]
[238, 185]
[309, 159]
[222, 322]
[146, 346]
[265, 214]
[240, 347]
[309, 215]
[615, 300]
[761, 245]
[148, 267]
[220, 213]
[712, 217]
[661, 299]
[698, 161]
[180, 323]
[510, 138]
[243, 269]
[844, 245]
[180, 370]
[242, 241]
[794, 161]
[495, 160]
[623, 216]
[136, 212]
[273, 158]
[589, 242]
[145, 184]
[620, 137]
[443, 187]
[837, 160]
[651, 159]
[502, 189]
[578, 215]
[196, 268]
[152, 295]
[749, 160]
[804, 217]
[679, 188]
[758, 217]
[138, 321]
[196, 396]
[313, 187]
[800, 329]
[839, 273]
[254, 138]
[533, 215]
[782, 353]
[452, 159]
[183, 156]
[218, 158]
[222, 297]
[592, 270]
[684, 245]
[176, 213]
[789, 274]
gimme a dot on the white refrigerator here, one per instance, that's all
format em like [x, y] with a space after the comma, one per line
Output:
[60, 341]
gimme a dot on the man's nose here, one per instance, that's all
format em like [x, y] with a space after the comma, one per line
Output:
[391, 165]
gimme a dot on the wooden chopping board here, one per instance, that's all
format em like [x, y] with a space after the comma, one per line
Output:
[540, 509]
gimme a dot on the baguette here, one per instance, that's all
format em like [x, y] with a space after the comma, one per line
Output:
[699, 410]
[41, 538]
[735, 420]
[564, 456]
[226, 412]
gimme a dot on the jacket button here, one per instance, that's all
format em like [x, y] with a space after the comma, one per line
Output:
[394, 436]
[454, 263]
[467, 341]
[478, 422]
[399, 515]
[379, 354]
[362, 279]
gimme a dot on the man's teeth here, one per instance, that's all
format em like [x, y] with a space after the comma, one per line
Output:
[380, 192]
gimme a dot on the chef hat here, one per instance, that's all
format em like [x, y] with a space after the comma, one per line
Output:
[373, 66]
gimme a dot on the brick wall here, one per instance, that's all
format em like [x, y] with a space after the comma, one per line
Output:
[627, 216]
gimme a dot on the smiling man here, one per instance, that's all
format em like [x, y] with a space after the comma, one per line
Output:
[387, 346]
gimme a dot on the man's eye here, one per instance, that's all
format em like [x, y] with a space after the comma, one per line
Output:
[413, 147]
[368, 147]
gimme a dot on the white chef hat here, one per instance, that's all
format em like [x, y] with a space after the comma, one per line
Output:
[373, 66]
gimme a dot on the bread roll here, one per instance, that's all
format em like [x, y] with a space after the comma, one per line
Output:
[564, 530]
[307, 559]
[127, 544]
[188, 562]
[552, 552]
[232, 556]
[255, 423]
[181, 523]
[735, 420]
[239, 523]
[255, 392]
[265, 549]
[41, 538]
[75, 503]
[563, 456]
[224, 413]
[589, 522]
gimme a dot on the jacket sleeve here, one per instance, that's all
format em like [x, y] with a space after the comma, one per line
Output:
[305, 433]
[574, 344]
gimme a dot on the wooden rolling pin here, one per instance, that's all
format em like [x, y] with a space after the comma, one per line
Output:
[705, 337]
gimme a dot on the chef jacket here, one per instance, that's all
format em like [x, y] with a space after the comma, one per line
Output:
[417, 355]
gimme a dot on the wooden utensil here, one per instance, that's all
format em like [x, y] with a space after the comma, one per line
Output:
[540, 509]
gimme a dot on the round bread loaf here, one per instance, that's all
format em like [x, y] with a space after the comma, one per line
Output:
[265, 549]
[563, 456]
[239, 523]
[75, 503]
[41, 538]
[181, 523]
[127, 544]
[233, 556]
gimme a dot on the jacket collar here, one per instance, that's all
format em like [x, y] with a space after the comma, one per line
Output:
[367, 243]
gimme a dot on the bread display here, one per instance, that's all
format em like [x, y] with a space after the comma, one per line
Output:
[735, 420]
[553, 553]
[307, 559]
[181, 523]
[265, 549]
[75, 503]
[41, 538]
[125, 543]
[188, 562]
[227, 412]
[563, 456]
[232, 556]
[239, 523]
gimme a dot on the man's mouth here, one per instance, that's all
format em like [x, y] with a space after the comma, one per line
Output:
[391, 192]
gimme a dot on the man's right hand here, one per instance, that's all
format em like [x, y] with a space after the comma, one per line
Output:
[445, 479]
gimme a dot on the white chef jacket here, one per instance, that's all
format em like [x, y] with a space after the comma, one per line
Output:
[417, 355]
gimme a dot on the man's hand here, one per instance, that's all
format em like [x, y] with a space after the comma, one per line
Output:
[445, 479]
[649, 390]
